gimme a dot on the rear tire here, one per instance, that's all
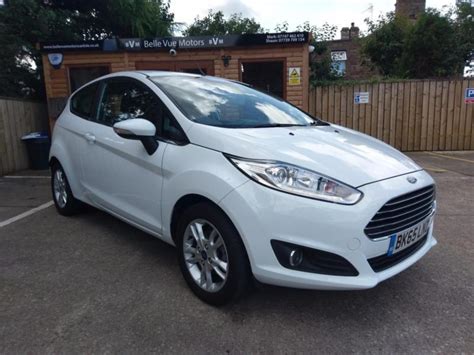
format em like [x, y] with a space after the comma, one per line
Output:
[65, 202]
[211, 255]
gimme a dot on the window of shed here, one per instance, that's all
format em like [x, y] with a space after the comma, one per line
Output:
[82, 75]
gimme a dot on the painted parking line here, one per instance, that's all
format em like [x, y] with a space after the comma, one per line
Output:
[26, 214]
[26, 177]
[450, 157]
[435, 169]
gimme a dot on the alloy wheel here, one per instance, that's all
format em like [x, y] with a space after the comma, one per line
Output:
[205, 255]
[59, 185]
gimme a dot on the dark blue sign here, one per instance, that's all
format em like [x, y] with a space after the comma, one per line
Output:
[469, 98]
[166, 43]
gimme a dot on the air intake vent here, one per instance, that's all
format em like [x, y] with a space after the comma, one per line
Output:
[384, 262]
[401, 213]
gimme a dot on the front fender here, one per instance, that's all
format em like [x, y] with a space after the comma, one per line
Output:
[194, 170]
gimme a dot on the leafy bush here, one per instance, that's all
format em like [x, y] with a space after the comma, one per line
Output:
[435, 45]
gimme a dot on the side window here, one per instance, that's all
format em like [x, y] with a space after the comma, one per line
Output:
[171, 129]
[126, 99]
[82, 103]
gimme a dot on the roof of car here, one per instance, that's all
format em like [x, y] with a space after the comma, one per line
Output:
[158, 73]
[148, 73]
[163, 73]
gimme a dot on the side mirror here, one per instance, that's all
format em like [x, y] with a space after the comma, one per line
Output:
[138, 129]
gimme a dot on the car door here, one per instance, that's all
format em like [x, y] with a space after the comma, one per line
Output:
[73, 125]
[119, 175]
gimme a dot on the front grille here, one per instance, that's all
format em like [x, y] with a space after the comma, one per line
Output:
[402, 212]
[383, 262]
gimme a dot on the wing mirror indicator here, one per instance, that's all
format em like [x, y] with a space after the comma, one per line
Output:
[138, 129]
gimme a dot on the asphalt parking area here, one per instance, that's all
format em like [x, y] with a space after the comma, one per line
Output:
[94, 284]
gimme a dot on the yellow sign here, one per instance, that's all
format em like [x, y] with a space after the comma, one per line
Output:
[294, 76]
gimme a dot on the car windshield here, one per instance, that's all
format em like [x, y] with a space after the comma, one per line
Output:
[217, 102]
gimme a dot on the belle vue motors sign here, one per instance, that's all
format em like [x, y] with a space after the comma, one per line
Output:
[166, 43]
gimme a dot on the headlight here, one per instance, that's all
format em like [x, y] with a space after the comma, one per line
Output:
[298, 181]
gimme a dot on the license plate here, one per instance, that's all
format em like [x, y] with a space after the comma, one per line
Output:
[404, 239]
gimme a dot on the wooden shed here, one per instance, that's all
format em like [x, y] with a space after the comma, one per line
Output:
[274, 62]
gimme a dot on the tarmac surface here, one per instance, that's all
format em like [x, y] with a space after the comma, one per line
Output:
[93, 284]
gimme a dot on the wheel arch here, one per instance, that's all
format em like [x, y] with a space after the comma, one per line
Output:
[53, 160]
[182, 204]
[59, 156]
[189, 200]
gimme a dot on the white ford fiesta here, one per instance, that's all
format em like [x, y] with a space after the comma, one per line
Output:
[242, 183]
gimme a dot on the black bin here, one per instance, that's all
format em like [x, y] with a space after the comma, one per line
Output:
[37, 145]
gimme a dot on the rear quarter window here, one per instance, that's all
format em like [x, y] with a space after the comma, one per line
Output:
[82, 103]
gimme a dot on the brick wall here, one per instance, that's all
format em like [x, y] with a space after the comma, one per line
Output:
[410, 8]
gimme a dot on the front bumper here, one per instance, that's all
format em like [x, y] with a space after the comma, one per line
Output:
[261, 214]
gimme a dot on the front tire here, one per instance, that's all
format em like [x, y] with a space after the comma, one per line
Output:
[211, 255]
[65, 202]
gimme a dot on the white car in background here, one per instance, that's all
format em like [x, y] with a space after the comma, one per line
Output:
[243, 183]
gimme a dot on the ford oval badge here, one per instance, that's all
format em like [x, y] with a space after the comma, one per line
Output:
[412, 179]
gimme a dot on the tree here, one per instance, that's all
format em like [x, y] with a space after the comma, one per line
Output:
[385, 43]
[431, 48]
[215, 23]
[24, 23]
[464, 27]
[435, 45]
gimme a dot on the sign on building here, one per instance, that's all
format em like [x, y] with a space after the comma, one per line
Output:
[166, 43]
[294, 76]
[338, 55]
[361, 97]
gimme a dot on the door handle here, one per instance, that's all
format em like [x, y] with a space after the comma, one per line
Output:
[89, 137]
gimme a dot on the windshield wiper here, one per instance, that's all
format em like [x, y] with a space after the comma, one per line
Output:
[319, 123]
[267, 125]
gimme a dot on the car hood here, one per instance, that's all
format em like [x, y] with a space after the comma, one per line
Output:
[343, 154]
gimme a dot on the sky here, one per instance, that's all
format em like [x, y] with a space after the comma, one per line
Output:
[269, 13]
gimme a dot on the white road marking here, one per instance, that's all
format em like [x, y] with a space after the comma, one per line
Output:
[435, 169]
[26, 214]
[26, 177]
[450, 157]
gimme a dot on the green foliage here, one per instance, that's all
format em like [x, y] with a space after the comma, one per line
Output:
[282, 27]
[140, 18]
[24, 23]
[464, 28]
[215, 23]
[385, 44]
[431, 48]
[435, 45]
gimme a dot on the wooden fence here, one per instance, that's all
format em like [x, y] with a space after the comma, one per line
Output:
[17, 118]
[409, 115]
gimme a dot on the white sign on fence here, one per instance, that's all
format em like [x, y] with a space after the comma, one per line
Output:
[361, 97]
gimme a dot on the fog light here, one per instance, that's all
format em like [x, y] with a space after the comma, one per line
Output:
[296, 257]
